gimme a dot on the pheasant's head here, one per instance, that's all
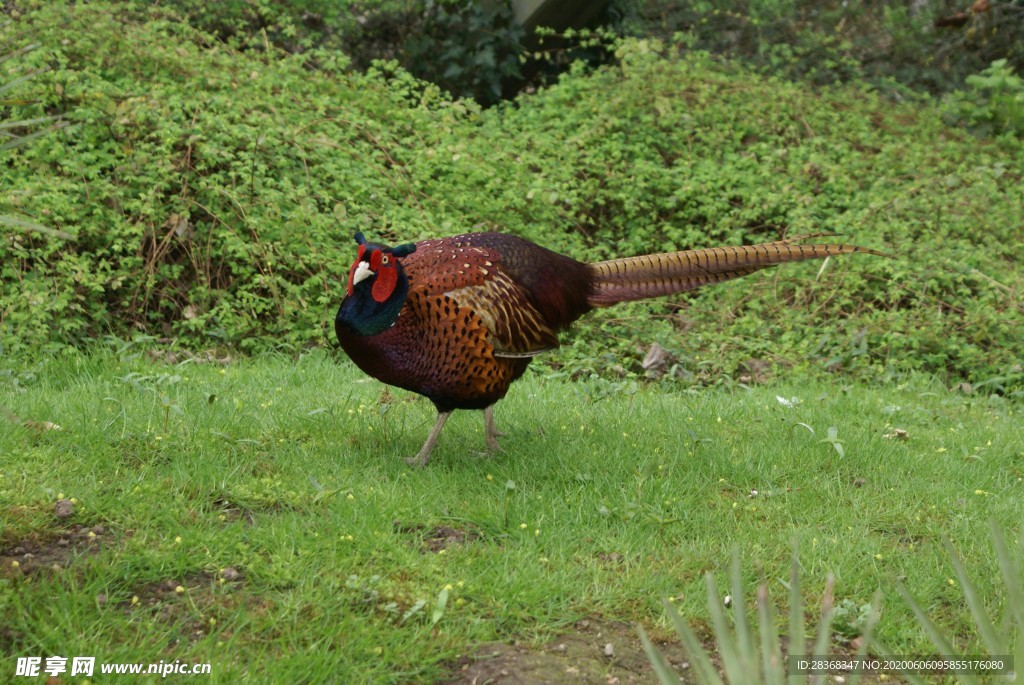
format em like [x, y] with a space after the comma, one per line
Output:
[377, 286]
[378, 266]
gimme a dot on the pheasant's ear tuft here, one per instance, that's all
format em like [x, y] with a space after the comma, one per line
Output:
[359, 238]
[404, 250]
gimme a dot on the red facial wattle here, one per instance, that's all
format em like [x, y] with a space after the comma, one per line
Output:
[387, 276]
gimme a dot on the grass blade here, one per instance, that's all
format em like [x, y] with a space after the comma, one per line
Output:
[869, 629]
[1011, 577]
[989, 636]
[824, 639]
[699, 658]
[746, 648]
[934, 632]
[22, 123]
[21, 140]
[4, 87]
[727, 649]
[20, 51]
[1014, 589]
[771, 654]
[29, 226]
[797, 645]
[666, 676]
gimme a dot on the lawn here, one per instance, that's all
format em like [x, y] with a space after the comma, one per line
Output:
[257, 514]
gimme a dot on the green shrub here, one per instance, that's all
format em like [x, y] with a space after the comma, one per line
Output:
[892, 45]
[16, 131]
[672, 153]
[467, 48]
[200, 184]
[471, 49]
[213, 193]
[994, 101]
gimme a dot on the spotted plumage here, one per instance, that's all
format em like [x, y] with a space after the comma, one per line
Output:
[459, 319]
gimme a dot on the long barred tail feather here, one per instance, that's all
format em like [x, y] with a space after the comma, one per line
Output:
[638, 278]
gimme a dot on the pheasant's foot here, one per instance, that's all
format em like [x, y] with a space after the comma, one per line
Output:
[423, 456]
[491, 433]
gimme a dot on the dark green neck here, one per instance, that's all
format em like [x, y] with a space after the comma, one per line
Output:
[364, 315]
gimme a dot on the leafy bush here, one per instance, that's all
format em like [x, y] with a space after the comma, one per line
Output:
[469, 48]
[929, 45]
[212, 195]
[292, 25]
[674, 153]
[14, 131]
[994, 102]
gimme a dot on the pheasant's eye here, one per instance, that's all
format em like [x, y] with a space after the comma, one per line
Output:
[384, 260]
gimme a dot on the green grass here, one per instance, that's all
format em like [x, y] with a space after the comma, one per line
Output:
[290, 472]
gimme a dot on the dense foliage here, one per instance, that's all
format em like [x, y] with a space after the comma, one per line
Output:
[472, 48]
[931, 45]
[212, 193]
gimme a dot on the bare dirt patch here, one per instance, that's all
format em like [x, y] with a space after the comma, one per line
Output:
[157, 593]
[188, 602]
[437, 538]
[52, 550]
[7, 640]
[234, 512]
[594, 652]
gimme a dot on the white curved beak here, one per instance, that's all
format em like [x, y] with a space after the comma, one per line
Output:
[362, 272]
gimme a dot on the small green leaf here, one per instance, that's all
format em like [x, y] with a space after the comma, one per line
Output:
[439, 606]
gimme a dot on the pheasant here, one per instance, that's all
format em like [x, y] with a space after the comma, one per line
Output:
[459, 319]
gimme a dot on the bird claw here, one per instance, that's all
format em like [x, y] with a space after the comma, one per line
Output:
[423, 456]
[418, 462]
[492, 444]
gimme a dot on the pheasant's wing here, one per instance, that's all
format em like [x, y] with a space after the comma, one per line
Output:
[516, 327]
[453, 349]
[472, 279]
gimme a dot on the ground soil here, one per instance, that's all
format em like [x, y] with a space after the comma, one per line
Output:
[593, 652]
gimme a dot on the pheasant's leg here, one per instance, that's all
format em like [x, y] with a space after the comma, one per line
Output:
[491, 433]
[423, 457]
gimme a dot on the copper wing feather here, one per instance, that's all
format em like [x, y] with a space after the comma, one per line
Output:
[473, 279]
